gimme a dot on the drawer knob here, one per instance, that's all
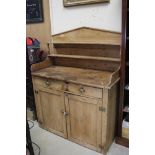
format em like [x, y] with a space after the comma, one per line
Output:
[47, 83]
[82, 90]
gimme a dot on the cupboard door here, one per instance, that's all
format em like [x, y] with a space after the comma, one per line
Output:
[52, 103]
[84, 121]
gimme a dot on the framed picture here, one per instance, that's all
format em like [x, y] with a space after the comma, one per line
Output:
[82, 2]
[34, 11]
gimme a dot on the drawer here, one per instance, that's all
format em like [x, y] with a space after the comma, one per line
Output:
[85, 90]
[49, 83]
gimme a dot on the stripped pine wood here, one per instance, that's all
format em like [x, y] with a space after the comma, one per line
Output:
[76, 87]
[77, 75]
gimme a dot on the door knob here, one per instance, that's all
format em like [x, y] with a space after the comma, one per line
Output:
[82, 90]
[65, 113]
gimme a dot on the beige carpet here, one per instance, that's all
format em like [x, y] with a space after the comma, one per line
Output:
[50, 144]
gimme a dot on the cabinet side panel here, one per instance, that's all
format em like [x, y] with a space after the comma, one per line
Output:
[104, 120]
[111, 117]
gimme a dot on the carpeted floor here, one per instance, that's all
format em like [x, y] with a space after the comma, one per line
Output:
[51, 144]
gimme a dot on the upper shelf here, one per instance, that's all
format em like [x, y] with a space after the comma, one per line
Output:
[87, 35]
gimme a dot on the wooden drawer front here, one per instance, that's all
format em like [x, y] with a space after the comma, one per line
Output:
[48, 83]
[85, 90]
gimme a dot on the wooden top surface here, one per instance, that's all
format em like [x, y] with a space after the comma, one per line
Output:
[77, 75]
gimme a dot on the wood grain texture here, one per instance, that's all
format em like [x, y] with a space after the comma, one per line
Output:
[41, 31]
[85, 57]
[111, 115]
[86, 64]
[114, 76]
[104, 120]
[49, 83]
[82, 107]
[95, 50]
[85, 35]
[84, 68]
[52, 103]
[85, 90]
[76, 75]
[84, 121]
[41, 65]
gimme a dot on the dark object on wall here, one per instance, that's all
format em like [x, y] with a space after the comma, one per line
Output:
[34, 11]
[35, 54]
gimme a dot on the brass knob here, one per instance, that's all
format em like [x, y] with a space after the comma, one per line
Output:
[82, 90]
[65, 113]
[47, 83]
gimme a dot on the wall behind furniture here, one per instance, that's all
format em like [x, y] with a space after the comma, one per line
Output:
[41, 31]
[102, 16]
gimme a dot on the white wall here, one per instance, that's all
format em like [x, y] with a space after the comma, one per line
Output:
[103, 16]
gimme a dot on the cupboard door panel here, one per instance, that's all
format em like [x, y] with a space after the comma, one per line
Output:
[84, 121]
[52, 107]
